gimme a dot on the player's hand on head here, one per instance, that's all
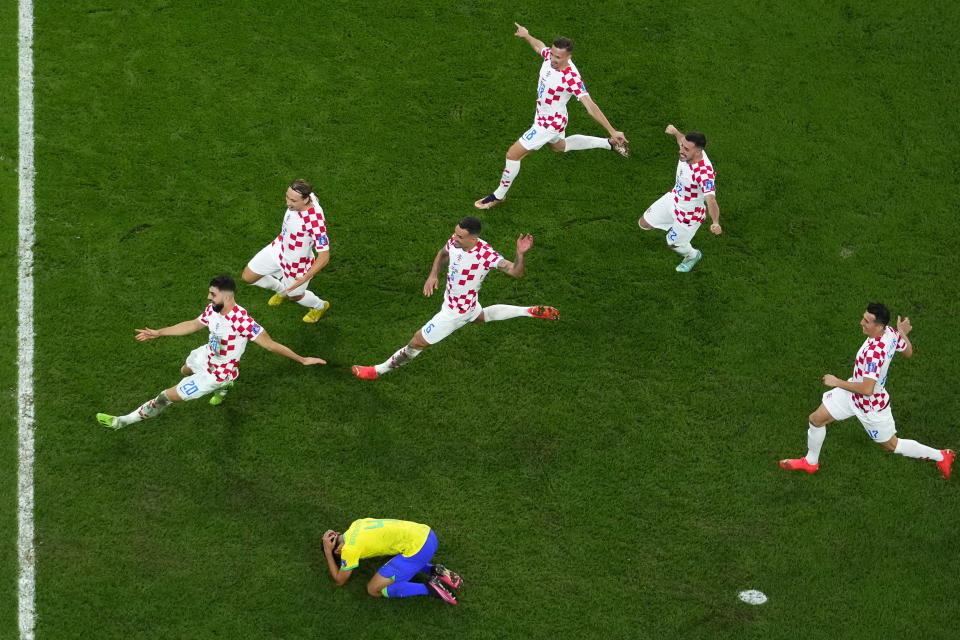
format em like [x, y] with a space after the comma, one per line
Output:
[329, 539]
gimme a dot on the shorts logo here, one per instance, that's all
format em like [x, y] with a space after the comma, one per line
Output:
[708, 185]
[189, 388]
[529, 134]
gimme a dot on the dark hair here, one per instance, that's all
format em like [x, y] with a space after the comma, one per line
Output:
[471, 225]
[224, 282]
[302, 187]
[880, 312]
[563, 43]
[697, 138]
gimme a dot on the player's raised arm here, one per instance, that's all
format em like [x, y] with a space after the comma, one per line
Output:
[515, 268]
[181, 329]
[268, 343]
[904, 327]
[522, 32]
[673, 131]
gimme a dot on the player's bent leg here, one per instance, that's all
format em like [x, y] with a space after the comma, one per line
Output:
[579, 143]
[643, 224]
[913, 449]
[249, 275]
[378, 585]
[821, 417]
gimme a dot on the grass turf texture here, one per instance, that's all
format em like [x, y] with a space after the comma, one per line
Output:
[615, 471]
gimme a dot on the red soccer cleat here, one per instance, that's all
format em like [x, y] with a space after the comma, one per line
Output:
[799, 464]
[364, 373]
[945, 464]
[547, 313]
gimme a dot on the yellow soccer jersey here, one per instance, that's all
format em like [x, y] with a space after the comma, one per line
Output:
[371, 537]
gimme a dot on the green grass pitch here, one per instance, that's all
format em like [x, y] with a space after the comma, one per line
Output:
[611, 474]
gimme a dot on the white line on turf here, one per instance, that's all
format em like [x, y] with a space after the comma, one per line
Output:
[26, 583]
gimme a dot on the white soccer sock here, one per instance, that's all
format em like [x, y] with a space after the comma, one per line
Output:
[510, 171]
[149, 409]
[503, 312]
[686, 250]
[311, 300]
[913, 449]
[269, 282]
[576, 143]
[815, 437]
[404, 354]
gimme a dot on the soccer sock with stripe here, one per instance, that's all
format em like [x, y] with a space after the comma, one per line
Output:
[310, 300]
[149, 409]
[503, 312]
[403, 355]
[271, 283]
[404, 590]
[578, 142]
[815, 437]
[913, 449]
[510, 171]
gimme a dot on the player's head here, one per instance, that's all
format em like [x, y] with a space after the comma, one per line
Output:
[298, 195]
[691, 149]
[875, 318]
[221, 288]
[335, 552]
[560, 53]
[465, 235]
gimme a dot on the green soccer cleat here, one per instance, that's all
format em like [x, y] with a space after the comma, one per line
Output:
[108, 421]
[686, 265]
[315, 314]
[218, 395]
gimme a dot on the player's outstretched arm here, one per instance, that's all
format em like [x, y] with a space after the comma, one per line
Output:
[523, 33]
[268, 343]
[433, 280]
[181, 329]
[597, 115]
[904, 327]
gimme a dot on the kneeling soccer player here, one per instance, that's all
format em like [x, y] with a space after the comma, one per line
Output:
[213, 367]
[469, 260]
[412, 546]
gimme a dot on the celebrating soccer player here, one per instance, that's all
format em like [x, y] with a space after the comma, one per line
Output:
[210, 368]
[865, 397]
[469, 259]
[680, 211]
[559, 80]
[412, 546]
[286, 265]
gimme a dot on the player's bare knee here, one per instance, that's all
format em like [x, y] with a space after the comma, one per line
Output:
[249, 276]
[373, 590]
[297, 298]
[185, 370]
[889, 445]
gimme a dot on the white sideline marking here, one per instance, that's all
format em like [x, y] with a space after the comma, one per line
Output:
[26, 583]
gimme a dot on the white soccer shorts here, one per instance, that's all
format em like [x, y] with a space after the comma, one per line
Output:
[879, 425]
[266, 263]
[201, 382]
[446, 322]
[538, 136]
[660, 215]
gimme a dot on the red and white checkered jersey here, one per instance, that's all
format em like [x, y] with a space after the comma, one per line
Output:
[466, 273]
[553, 92]
[301, 233]
[228, 339]
[873, 361]
[694, 182]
